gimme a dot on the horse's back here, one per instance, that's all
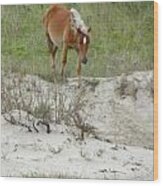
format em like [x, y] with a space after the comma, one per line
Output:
[55, 21]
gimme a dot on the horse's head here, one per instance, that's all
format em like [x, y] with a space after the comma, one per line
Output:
[83, 34]
[83, 41]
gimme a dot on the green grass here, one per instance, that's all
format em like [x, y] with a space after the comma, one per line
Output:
[121, 39]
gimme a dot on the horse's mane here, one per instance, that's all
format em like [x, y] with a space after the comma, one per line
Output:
[77, 22]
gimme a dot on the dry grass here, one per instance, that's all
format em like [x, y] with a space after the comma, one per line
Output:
[38, 109]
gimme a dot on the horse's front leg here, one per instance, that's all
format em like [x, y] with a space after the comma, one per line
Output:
[79, 72]
[64, 59]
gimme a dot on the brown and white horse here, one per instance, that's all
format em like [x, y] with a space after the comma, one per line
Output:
[65, 28]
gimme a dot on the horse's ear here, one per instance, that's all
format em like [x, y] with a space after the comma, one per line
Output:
[89, 29]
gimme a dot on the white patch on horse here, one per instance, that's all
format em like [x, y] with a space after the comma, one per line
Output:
[84, 40]
[77, 22]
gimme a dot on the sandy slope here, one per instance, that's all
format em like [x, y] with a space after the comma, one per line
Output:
[59, 155]
[120, 109]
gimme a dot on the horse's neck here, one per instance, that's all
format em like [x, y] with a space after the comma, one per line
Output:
[76, 20]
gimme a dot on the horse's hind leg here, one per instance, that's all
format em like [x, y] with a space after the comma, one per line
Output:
[53, 54]
[52, 50]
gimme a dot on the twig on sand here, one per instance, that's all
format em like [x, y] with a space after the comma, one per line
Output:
[13, 121]
[44, 123]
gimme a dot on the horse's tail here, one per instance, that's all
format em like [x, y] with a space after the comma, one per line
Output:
[49, 42]
[46, 16]
[45, 19]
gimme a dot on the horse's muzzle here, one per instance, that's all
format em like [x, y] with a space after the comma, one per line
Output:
[84, 61]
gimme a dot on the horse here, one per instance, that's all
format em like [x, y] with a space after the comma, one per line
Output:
[65, 28]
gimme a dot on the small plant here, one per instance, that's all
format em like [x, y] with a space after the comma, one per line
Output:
[126, 88]
[43, 110]
[20, 110]
[92, 84]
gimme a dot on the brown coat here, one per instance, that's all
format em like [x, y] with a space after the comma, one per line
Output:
[60, 32]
